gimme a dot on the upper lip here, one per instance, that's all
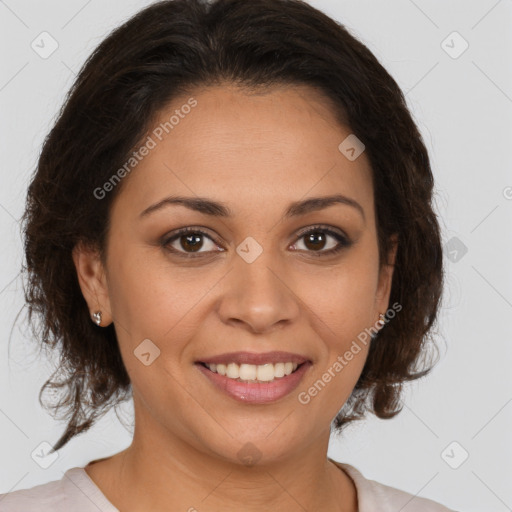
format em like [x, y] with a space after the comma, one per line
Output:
[255, 358]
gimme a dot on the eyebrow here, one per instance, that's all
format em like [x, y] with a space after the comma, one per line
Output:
[218, 209]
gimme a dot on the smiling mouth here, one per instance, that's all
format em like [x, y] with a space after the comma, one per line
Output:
[264, 373]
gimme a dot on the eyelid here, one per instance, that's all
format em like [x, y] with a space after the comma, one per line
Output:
[343, 240]
[176, 234]
[325, 228]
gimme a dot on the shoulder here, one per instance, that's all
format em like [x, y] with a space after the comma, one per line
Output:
[43, 498]
[376, 497]
[74, 491]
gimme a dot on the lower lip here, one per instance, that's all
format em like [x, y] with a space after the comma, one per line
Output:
[257, 392]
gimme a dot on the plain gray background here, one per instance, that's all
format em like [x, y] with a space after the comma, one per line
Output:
[462, 102]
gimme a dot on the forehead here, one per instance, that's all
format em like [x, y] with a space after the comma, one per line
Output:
[277, 145]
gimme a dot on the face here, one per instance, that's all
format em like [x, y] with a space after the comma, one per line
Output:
[264, 277]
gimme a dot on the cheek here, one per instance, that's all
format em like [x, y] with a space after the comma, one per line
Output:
[342, 296]
[342, 308]
[151, 297]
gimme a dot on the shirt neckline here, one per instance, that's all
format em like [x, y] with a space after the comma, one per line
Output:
[366, 494]
[88, 487]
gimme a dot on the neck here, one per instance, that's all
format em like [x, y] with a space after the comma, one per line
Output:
[161, 469]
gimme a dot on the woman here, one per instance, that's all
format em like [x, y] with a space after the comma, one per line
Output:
[231, 221]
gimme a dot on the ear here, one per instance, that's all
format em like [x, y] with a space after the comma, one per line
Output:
[93, 282]
[386, 277]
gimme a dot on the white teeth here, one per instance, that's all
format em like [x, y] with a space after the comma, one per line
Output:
[265, 372]
[254, 373]
[247, 372]
[233, 371]
[279, 369]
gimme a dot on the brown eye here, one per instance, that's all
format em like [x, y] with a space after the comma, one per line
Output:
[188, 242]
[316, 240]
[191, 242]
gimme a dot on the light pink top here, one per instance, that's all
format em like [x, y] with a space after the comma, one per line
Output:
[76, 492]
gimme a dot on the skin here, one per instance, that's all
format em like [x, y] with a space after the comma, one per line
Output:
[257, 153]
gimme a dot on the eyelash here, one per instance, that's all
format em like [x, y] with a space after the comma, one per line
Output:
[343, 242]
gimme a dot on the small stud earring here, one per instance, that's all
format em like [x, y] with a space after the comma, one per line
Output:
[97, 317]
[382, 320]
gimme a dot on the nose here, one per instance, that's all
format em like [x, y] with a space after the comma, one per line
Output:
[259, 295]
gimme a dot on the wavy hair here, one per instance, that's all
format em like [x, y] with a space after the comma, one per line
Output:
[166, 50]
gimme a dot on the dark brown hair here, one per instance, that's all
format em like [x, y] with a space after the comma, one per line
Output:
[164, 51]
